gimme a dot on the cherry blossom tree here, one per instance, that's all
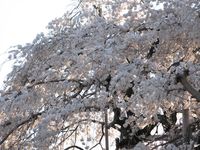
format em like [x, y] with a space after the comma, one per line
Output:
[106, 75]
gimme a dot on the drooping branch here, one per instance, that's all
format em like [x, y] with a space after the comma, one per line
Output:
[33, 117]
[70, 147]
[99, 143]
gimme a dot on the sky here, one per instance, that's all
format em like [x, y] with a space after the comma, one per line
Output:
[22, 20]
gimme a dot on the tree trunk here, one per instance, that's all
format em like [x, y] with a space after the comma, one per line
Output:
[186, 126]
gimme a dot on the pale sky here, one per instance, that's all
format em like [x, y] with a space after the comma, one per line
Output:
[21, 20]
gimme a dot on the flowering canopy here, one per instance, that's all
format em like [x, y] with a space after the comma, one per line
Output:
[134, 58]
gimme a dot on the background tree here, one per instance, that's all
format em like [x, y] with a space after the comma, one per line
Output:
[137, 59]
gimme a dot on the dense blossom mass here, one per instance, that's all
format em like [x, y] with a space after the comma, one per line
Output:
[106, 75]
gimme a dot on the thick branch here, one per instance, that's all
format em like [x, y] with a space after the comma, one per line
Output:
[183, 80]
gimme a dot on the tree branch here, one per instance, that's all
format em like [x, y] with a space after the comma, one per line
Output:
[29, 119]
[188, 87]
[73, 147]
[99, 143]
